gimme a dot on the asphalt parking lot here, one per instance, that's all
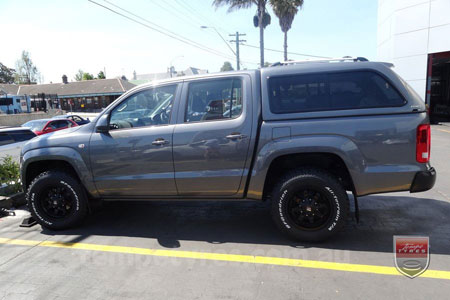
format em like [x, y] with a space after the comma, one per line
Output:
[202, 250]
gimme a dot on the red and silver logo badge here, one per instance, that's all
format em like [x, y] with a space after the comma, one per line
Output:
[412, 254]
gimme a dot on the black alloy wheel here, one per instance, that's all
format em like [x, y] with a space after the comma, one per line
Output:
[309, 209]
[56, 201]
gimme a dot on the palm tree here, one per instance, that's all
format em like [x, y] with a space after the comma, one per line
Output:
[286, 10]
[261, 5]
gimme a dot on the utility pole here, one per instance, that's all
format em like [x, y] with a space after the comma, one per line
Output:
[237, 41]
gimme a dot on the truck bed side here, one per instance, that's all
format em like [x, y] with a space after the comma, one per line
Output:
[378, 151]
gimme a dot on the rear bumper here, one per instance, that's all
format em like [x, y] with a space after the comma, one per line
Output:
[423, 181]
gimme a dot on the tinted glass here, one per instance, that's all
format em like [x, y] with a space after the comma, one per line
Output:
[59, 124]
[5, 139]
[298, 93]
[21, 136]
[146, 108]
[362, 90]
[335, 91]
[214, 100]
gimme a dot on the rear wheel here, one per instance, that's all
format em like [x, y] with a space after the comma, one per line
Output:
[56, 200]
[309, 205]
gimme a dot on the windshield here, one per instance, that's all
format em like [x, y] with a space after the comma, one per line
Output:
[35, 125]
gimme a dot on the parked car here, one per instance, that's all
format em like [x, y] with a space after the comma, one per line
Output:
[77, 119]
[301, 135]
[44, 126]
[12, 139]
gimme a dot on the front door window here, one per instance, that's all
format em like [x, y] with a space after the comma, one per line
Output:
[145, 108]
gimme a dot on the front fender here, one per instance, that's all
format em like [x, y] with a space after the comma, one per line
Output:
[341, 146]
[66, 154]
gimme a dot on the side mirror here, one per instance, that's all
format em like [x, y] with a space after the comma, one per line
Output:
[102, 125]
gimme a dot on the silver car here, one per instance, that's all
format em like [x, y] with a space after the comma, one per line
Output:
[12, 139]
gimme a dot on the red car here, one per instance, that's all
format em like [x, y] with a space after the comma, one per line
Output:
[44, 126]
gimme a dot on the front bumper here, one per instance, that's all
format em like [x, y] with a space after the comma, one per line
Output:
[423, 181]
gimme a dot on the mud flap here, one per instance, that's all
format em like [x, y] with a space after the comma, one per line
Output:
[355, 198]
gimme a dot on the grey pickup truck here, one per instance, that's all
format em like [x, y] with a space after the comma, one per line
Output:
[303, 135]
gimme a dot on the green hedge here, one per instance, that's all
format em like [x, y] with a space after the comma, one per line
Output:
[9, 175]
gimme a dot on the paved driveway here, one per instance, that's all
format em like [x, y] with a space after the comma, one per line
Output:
[220, 250]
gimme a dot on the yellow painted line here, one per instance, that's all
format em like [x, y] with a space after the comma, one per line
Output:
[443, 130]
[278, 261]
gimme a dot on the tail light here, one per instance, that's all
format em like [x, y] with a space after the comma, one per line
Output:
[423, 144]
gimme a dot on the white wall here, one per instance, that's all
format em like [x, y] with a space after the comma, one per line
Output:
[408, 30]
[19, 119]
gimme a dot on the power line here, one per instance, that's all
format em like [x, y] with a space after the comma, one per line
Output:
[218, 33]
[164, 29]
[169, 34]
[178, 13]
[281, 51]
[197, 14]
[190, 11]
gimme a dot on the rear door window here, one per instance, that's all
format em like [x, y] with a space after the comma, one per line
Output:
[5, 139]
[334, 91]
[217, 99]
[21, 136]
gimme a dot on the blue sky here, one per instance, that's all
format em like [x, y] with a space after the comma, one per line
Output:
[66, 35]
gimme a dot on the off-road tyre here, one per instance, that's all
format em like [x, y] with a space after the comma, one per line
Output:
[292, 207]
[56, 200]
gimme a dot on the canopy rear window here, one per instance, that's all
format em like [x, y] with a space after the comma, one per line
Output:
[333, 91]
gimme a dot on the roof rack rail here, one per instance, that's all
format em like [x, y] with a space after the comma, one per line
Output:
[326, 60]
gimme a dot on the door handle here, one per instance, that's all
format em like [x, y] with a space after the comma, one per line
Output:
[160, 142]
[236, 136]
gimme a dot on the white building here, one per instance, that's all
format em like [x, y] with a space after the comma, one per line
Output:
[415, 36]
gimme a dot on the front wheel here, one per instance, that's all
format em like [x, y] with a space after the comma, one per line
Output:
[309, 205]
[56, 200]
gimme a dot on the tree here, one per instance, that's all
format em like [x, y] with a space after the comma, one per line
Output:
[88, 76]
[27, 72]
[79, 75]
[6, 74]
[226, 67]
[101, 75]
[286, 10]
[261, 20]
